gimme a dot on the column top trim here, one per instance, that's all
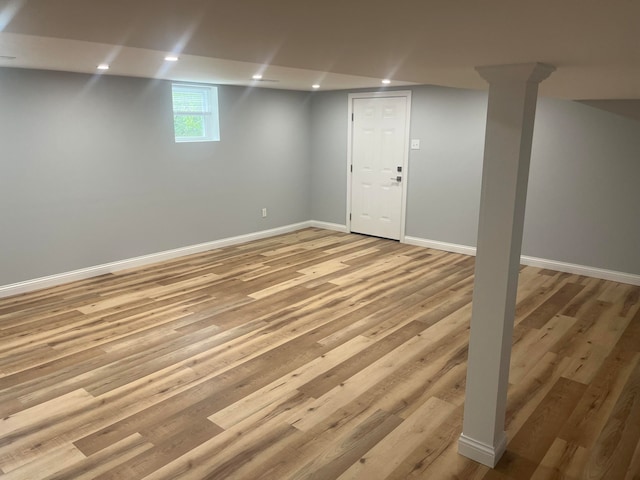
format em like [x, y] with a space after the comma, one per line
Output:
[516, 73]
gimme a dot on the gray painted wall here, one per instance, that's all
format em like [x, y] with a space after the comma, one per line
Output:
[583, 190]
[583, 202]
[450, 125]
[90, 174]
[443, 196]
[329, 157]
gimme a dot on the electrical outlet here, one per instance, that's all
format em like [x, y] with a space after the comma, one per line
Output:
[264, 213]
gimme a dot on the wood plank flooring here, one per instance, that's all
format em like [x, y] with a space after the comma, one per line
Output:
[312, 355]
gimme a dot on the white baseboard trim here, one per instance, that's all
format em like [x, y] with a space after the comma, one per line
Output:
[329, 226]
[587, 271]
[84, 273]
[483, 453]
[612, 275]
[447, 247]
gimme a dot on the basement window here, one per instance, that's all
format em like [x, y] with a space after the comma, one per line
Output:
[195, 113]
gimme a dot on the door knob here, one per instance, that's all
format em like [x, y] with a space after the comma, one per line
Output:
[397, 179]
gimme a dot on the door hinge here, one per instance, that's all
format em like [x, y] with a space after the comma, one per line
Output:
[352, 117]
[351, 168]
[349, 217]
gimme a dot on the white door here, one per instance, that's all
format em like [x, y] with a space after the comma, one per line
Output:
[379, 148]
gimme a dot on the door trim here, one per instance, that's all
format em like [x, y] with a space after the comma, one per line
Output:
[405, 160]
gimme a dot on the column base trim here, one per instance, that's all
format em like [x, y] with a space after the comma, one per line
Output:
[480, 452]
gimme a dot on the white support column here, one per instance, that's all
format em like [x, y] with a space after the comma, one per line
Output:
[513, 91]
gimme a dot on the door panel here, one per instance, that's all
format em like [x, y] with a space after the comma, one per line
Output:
[378, 149]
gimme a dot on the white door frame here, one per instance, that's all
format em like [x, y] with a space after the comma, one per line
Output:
[405, 160]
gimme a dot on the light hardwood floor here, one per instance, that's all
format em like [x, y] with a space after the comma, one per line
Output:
[313, 355]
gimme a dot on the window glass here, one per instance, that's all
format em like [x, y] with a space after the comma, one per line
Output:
[195, 113]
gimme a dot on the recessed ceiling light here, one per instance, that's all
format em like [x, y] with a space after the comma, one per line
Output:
[257, 76]
[171, 58]
[103, 66]
[315, 86]
[386, 81]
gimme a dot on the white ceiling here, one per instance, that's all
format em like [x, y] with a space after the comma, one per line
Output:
[594, 44]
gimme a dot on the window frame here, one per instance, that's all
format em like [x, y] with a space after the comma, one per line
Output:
[209, 115]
